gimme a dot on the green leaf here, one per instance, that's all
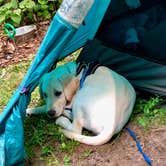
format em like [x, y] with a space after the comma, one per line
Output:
[2, 18]
[142, 121]
[30, 16]
[44, 7]
[8, 13]
[17, 11]
[46, 14]
[43, 2]
[30, 4]
[27, 4]
[37, 7]
[46, 150]
[51, 7]
[39, 14]
[5, 7]
[1, 1]
[14, 4]
[16, 19]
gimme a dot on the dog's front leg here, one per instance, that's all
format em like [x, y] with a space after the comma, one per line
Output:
[36, 111]
[66, 124]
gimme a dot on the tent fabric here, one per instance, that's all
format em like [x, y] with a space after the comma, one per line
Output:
[137, 32]
[59, 41]
[145, 75]
[11, 119]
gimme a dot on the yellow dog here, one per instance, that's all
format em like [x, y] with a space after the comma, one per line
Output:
[103, 105]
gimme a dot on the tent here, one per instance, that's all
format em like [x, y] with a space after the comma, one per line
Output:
[128, 40]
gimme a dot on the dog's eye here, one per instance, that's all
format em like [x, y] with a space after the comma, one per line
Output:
[45, 95]
[57, 93]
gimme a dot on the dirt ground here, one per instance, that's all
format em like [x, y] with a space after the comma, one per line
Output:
[121, 152]
[13, 52]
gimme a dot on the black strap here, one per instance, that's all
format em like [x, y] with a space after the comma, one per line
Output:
[92, 66]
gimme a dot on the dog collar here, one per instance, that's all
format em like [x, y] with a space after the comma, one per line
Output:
[68, 109]
[81, 80]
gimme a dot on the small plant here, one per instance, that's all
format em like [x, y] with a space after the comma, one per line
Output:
[87, 153]
[51, 161]
[149, 111]
[66, 160]
[46, 150]
[17, 12]
[12, 11]
[68, 145]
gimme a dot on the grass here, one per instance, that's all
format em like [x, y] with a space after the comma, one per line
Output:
[43, 137]
[10, 78]
[150, 111]
[42, 133]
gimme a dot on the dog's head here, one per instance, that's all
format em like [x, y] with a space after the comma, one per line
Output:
[57, 89]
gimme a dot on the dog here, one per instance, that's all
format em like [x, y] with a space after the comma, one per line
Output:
[103, 105]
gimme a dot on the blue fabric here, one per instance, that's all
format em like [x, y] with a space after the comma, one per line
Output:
[60, 40]
[11, 119]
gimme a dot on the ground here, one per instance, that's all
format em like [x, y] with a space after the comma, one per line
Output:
[11, 53]
[121, 151]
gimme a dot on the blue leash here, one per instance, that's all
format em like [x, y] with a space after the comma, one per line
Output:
[146, 158]
[81, 84]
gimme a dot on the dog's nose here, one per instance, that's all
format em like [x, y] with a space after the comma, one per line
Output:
[51, 113]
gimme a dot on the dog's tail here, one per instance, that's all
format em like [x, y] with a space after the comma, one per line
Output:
[100, 139]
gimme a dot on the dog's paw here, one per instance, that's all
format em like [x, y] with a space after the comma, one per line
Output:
[133, 4]
[63, 122]
[29, 111]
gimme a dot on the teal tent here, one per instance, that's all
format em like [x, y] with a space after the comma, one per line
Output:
[64, 36]
[126, 39]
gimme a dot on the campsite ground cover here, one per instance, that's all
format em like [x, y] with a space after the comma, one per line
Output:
[46, 145]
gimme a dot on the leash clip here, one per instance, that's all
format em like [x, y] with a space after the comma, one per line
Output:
[24, 90]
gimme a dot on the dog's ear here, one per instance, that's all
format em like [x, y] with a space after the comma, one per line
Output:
[71, 88]
[71, 67]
